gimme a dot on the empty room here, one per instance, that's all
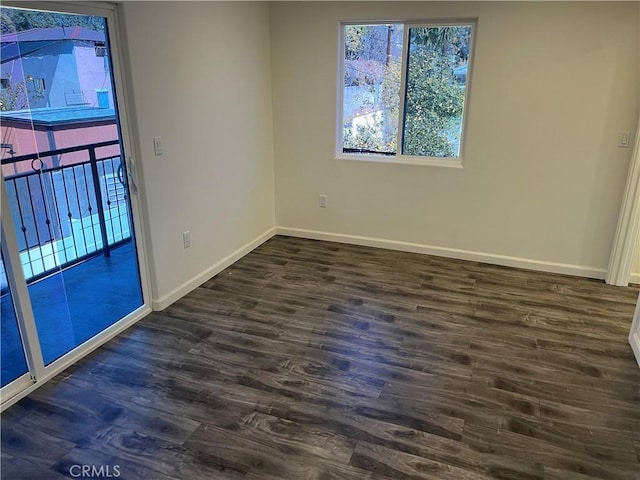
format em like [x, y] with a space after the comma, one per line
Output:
[320, 240]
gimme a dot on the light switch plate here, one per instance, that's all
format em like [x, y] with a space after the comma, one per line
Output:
[157, 146]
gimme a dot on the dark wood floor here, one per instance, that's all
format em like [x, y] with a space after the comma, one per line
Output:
[315, 360]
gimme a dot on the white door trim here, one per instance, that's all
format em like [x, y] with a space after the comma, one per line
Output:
[627, 235]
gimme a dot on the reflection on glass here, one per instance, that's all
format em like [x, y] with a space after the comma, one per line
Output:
[65, 176]
[372, 63]
[13, 363]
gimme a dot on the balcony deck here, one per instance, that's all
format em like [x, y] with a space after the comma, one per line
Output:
[72, 306]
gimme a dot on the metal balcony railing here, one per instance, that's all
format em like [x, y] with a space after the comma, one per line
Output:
[67, 213]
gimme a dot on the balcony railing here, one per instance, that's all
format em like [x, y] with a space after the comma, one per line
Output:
[65, 214]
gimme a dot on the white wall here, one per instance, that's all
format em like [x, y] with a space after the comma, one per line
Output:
[543, 179]
[201, 79]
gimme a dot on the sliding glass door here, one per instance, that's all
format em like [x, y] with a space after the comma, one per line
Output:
[65, 172]
[13, 363]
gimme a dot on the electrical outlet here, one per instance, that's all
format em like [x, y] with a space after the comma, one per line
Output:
[322, 201]
[624, 137]
[186, 239]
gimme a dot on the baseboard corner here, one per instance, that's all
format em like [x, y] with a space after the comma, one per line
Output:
[158, 304]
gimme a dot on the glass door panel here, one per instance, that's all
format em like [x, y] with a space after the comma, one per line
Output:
[12, 362]
[28, 189]
[64, 170]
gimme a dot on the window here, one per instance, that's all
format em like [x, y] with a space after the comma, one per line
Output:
[101, 49]
[35, 86]
[404, 91]
[4, 83]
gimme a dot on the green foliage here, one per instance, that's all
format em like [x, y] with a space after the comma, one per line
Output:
[366, 42]
[14, 97]
[446, 40]
[390, 96]
[433, 100]
[379, 133]
[16, 20]
[6, 24]
[367, 138]
[354, 37]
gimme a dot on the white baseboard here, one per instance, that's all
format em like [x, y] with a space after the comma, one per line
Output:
[634, 278]
[577, 270]
[553, 267]
[166, 300]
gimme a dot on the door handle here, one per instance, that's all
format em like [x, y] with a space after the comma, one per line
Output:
[131, 171]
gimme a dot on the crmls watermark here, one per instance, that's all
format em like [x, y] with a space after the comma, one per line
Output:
[94, 471]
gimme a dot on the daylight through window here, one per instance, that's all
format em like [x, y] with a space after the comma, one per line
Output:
[404, 89]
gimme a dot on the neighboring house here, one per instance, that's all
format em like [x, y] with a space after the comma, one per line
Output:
[460, 73]
[56, 93]
[55, 67]
[44, 129]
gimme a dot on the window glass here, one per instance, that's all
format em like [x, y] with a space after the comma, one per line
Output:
[437, 68]
[404, 97]
[372, 66]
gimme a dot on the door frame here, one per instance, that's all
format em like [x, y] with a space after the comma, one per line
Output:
[20, 300]
[627, 237]
[39, 373]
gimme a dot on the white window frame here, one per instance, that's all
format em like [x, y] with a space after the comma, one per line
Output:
[399, 157]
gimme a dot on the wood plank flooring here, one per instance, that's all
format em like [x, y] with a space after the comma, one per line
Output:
[311, 360]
